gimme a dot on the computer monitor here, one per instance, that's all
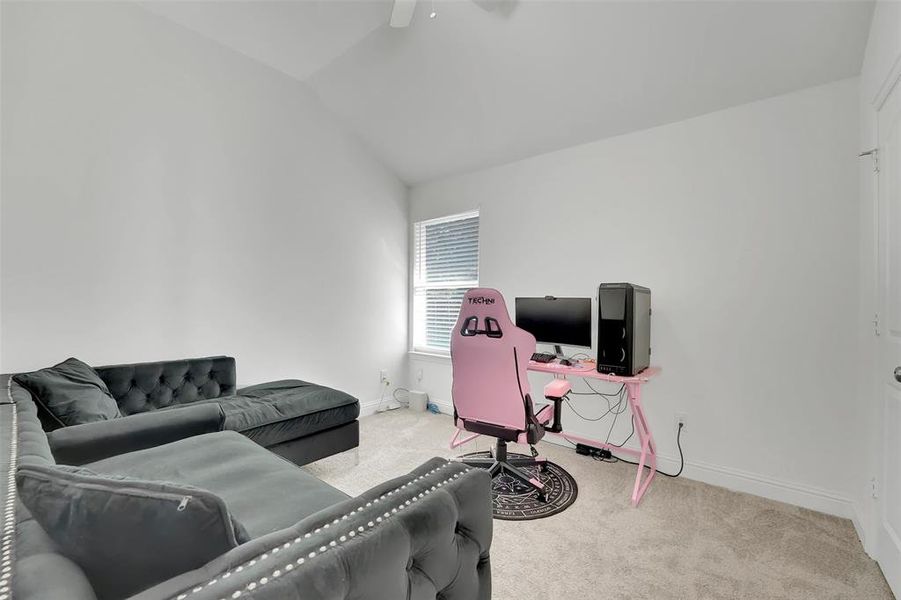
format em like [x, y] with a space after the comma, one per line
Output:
[557, 321]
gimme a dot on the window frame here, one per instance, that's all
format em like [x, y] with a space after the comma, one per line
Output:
[415, 285]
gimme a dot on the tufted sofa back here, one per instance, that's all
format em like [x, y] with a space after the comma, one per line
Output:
[141, 387]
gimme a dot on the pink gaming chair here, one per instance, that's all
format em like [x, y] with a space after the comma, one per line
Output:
[491, 392]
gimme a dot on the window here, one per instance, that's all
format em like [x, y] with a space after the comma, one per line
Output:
[445, 267]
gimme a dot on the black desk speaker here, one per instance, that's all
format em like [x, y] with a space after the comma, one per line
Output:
[624, 328]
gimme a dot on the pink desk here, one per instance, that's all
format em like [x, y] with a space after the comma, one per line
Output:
[647, 455]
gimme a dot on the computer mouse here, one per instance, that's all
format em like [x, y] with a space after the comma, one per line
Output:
[566, 362]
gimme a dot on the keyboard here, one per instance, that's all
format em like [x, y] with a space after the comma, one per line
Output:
[543, 357]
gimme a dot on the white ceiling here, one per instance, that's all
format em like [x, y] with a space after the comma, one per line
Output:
[297, 37]
[472, 88]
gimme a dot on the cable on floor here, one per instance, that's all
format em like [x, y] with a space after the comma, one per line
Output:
[681, 456]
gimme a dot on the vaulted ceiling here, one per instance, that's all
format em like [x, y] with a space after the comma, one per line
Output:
[473, 88]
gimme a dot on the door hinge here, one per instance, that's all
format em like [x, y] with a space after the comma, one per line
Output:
[874, 487]
[876, 324]
[875, 154]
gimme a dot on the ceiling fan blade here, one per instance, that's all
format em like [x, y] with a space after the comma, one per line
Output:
[402, 13]
[505, 5]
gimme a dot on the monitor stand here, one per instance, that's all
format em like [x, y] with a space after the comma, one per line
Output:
[559, 352]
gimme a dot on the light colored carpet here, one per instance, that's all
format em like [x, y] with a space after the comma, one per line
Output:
[686, 540]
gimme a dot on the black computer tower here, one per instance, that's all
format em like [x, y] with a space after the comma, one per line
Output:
[624, 328]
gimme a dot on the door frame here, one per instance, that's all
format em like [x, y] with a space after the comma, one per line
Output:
[885, 547]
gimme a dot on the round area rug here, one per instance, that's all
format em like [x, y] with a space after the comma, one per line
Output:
[516, 501]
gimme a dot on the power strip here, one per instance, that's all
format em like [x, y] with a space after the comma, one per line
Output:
[585, 450]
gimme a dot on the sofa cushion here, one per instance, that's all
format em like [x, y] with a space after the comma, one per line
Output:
[279, 411]
[70, 393]
[262, 490]
[127, 534]
[90, 442]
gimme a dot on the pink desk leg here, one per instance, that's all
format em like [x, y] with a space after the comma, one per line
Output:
[456, 442]
[648, 457]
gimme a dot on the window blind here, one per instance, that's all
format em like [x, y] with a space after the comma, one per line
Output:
[445, 267]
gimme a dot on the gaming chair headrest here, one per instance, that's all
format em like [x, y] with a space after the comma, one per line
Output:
[483, 312]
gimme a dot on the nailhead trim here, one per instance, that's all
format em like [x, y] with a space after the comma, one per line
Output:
[9, 507]
[333, 543]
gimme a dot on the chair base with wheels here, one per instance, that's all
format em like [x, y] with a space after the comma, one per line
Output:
[546, 419]
[499, 463]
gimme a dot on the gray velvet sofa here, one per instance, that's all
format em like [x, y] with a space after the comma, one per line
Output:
[300, 421]
[423, 536]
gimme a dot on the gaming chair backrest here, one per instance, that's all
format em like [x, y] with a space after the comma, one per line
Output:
[490, 356]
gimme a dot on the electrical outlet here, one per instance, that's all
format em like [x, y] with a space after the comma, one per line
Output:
[680, 419]
[383, 376]
[419, 375]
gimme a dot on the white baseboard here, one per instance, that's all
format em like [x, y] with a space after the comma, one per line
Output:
[861, 530]
[749, 483]
[370, 408]
[767, 487]
[863, 520]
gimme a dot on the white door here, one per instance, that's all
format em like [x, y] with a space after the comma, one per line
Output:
[889, 367]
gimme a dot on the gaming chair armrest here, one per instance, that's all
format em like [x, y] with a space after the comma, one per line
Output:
[548, 412]
[555, 391]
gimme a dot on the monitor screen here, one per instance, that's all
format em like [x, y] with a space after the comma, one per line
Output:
[562, 321]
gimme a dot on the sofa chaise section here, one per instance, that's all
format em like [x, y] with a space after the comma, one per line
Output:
[297, 420]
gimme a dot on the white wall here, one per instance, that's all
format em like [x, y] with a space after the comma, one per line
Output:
[743, 223]
[164, 197]
[881, 65]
